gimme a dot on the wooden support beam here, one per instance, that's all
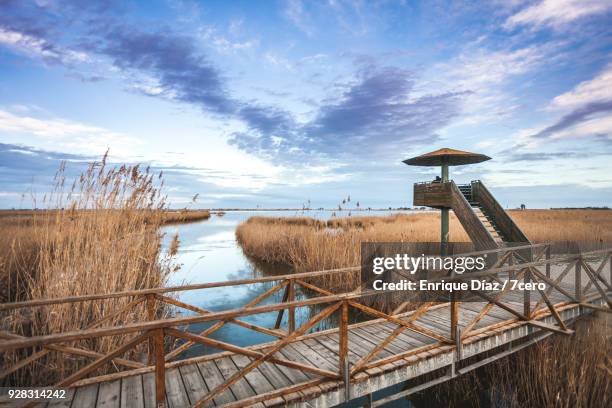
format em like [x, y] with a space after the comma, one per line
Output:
[555, 283]
[102, 360]
[578, 280]
[409, 325]
[174, 353]
[160, 367]
[380, 346]
[343, 361]
[598, 286]
[596, 273]
[257, 362]
[291, 311]
[552, 309]
[248, 352]
[151, 309]
[548, 327]
[279, 317]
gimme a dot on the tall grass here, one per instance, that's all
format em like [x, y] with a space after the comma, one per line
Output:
[106, 240]
[561, 371]
[308, 244]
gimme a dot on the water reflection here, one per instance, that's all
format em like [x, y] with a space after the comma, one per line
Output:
[209, 253]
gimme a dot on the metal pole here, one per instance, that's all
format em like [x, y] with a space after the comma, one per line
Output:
[444, 216]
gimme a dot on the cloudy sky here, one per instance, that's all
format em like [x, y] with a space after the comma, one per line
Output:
[275, 103]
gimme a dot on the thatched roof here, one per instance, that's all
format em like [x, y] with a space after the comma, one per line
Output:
[451, 157]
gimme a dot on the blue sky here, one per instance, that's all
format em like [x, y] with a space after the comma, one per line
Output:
[275, 103]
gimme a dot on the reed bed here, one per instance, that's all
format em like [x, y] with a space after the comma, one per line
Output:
[24, 217]
[107, 240]
[561, 371]
[307, 244]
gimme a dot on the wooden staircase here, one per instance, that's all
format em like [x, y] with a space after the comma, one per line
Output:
[491, 214]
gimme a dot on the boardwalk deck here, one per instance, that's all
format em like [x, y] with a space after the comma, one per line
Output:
[191, 379]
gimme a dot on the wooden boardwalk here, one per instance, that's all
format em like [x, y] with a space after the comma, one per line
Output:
[321, 369]
[189, 382]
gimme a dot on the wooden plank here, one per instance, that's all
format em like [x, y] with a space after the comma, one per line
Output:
[195, 386]
[390, 348]
[148, 390]
[319, 356]
[256, 379]
[109, 394]
[213, 378]
[240, 388]
[132, 392]
[86, 396]
[295, 376]
[405, 340]
[175, 391]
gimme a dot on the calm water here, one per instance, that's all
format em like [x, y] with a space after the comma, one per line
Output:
[209, 253]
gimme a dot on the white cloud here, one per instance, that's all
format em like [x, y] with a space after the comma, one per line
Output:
[556, 13]
[294, 12]
[39, 48]
[68, 135]
[480, 67]
[594, 90]
[278, 61]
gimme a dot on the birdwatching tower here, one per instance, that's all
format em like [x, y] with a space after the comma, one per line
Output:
[483, 218]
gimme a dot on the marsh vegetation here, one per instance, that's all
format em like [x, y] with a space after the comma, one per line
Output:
[107, 239]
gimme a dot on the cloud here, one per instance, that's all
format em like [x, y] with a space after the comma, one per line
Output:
[294, 11]
[65, 133]
[556, 14]
[182, 72]
[38, 47]
[597, 89]
[543, 156]
[580, 115]
[377, 105]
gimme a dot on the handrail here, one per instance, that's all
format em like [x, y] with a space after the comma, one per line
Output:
[155, 331]
[240, 312]
[210, 285]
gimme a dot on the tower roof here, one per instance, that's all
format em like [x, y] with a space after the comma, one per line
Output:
[447, 156]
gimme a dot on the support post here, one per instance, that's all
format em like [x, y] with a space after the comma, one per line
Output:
[150, 305]
[343, 351]
[444, 221]
[454, 317]
[578, 280]
[458, 344]
[160, 368]
[548, 259]
[291, 298]
[527, 295]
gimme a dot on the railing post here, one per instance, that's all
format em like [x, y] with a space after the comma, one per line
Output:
[458, 343]
[610, 273]
[548, 261]
[343, 363]
[291, 298]
[527, 294]
[454, 315]
[150, 305]
[578, 279]
[160, 368]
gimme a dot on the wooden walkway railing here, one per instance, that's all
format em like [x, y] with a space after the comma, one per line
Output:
[528, 263]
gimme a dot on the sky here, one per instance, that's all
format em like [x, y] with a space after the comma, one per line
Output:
[289, 102]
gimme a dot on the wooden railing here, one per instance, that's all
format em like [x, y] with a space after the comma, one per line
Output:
[511, 262]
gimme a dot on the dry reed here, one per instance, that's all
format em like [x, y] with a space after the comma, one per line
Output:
[561, 371]
[307, 244]
[107, 240]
